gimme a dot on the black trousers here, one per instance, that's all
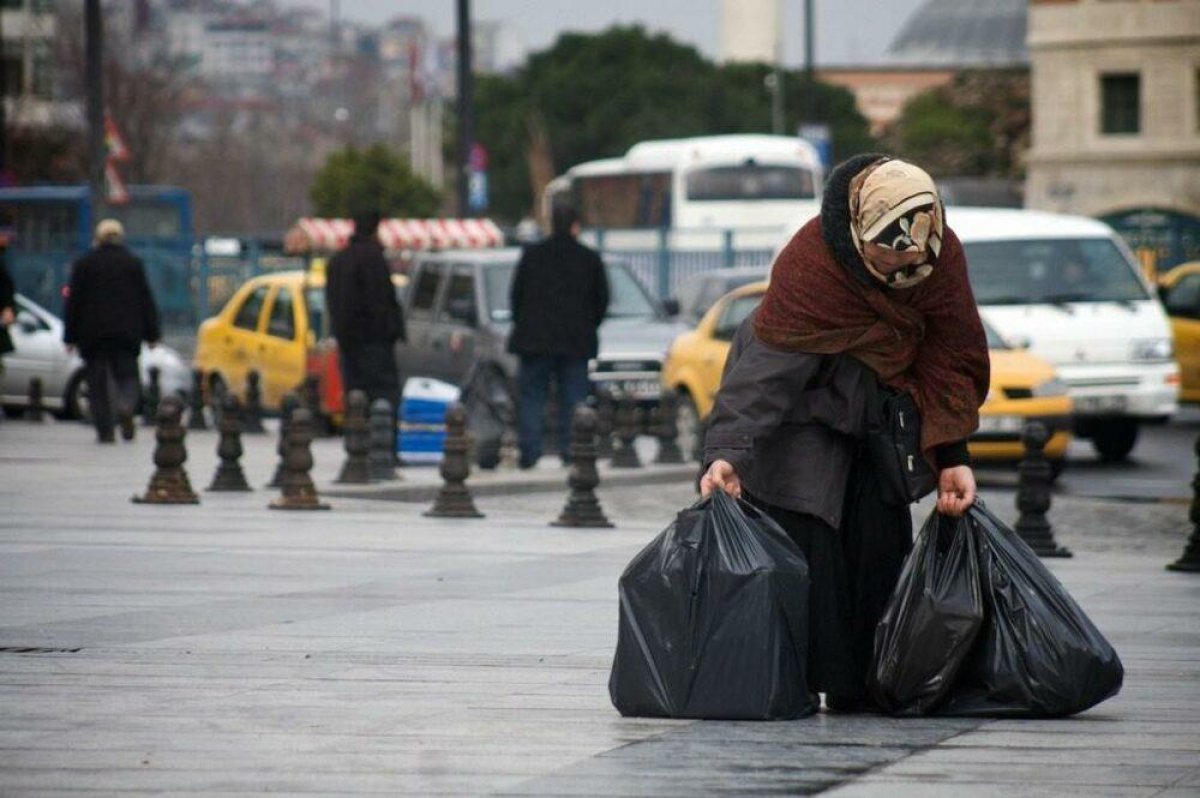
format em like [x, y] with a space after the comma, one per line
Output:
[371, 368]
[113, 385]
[852, 573]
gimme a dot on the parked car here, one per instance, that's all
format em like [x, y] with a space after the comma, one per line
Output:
[1069, 288]
[458, 316]
[39, 352]
[1180, 292]
[274, 324]
[1023, 387]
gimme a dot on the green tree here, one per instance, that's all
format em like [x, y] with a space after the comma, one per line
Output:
[594, 96]
[353, 181]
[977, 125]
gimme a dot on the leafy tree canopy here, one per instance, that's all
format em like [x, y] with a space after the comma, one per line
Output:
[353, 181]
[977, 126]
[594, 96]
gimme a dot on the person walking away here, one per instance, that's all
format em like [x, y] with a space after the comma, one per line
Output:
[559, 296]
[110, 311]
[871, 293]
[365, 315]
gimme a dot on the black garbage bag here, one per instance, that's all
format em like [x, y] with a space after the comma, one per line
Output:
[1038, 654]
[713, 620]
[488, 400]
[931, 621]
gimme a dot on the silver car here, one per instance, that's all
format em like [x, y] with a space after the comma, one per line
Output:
[458, 318]
[39, 352]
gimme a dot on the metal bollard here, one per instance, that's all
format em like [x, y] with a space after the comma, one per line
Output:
[297, 488]
[629, 422]
[1033, 493]
[152, 399]
[252, 413]
[196, 420]
[36, 411]
[169, 484]
[1190, 561]
[606, 408]
[356, 470]
[583, 508]
[287, 407]
[666, 429]
[229, 475]
[383, 442]
[454, 499]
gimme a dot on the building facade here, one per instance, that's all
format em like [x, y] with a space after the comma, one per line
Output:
[1116, 119]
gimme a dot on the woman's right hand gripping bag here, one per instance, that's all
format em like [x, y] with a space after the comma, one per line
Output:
[714, 620]
[1038, 654]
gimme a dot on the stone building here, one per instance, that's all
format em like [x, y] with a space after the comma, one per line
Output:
[1116, 119]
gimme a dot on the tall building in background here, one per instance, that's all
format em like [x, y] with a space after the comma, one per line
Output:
[1116, 119]
[27, 47]
[751, 30]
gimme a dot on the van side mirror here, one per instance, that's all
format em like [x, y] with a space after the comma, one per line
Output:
[670, 306]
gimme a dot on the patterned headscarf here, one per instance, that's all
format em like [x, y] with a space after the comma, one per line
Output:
[894, 204]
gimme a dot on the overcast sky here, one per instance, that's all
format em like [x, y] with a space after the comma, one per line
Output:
[848, 31]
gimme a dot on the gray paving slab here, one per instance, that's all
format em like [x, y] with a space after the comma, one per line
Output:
[226, 649]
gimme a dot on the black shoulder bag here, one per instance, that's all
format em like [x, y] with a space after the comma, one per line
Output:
[894, 444]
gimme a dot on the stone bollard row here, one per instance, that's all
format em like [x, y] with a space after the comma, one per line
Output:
[356, 470]
[229, 475]
[666, 429]
[287, 408]
[382, 434]
[297, 491]
[628, 425]
[252, 413]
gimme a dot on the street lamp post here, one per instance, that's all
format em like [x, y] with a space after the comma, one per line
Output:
[466, 123]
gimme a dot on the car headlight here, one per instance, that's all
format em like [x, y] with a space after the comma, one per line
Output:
[1051, 387]
[1151, 350]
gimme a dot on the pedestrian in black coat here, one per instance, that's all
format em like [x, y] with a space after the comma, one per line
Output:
[364, 314]
[559, 297]
[110, 311]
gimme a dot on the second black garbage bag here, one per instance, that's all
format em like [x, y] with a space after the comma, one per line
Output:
[714, 620]
[931, 622]
[1038, 654]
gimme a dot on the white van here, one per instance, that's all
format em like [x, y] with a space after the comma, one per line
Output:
[1068, 287]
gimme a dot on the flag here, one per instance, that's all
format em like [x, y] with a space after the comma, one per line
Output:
[118, 152]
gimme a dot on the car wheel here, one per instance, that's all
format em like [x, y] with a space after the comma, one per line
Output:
[1114, 439]
[687, 421]
[75, 398]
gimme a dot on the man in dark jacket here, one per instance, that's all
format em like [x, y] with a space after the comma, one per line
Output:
[110, 311]
[559, 297]
[364, 313]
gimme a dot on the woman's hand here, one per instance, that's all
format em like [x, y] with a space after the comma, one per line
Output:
[721, 476]
[956, 490]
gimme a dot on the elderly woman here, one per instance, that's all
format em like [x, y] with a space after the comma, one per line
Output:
[873, 291]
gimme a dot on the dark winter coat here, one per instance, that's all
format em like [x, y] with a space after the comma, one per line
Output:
[109, 302]
[8, 299]
[558, 298]
[360, 296]
[789, 423]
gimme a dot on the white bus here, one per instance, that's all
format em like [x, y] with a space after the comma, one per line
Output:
[733, 182]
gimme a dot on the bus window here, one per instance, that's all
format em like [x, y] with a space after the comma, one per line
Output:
[750, 182]
[630, 200]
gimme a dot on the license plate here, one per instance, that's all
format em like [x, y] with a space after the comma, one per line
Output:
[1001, 424]
[1099, 404]
[638, 389]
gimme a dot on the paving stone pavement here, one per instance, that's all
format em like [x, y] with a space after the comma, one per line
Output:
[226, 649]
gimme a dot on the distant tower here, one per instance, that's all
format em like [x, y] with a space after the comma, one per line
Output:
[751, 30]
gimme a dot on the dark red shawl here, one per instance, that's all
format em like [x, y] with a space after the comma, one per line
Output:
[927, 339]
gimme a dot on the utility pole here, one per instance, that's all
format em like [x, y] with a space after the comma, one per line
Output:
[810, 79]
[466, 122]
[94, 49]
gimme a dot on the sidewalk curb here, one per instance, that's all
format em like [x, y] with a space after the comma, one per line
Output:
[426, 492]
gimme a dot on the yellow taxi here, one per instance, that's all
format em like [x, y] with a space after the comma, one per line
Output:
[1180, 292]
[274, 324]
[1023, 387]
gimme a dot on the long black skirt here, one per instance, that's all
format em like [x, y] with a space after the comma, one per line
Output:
[852, 571]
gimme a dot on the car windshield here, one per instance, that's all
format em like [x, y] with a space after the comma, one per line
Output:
[1052, 271]
[626, 297]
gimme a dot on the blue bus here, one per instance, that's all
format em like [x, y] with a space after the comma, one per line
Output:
[50, 226]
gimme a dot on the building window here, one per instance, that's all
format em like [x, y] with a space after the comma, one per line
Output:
[1120, 103]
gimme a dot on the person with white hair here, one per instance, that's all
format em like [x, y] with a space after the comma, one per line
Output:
[110, 310]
